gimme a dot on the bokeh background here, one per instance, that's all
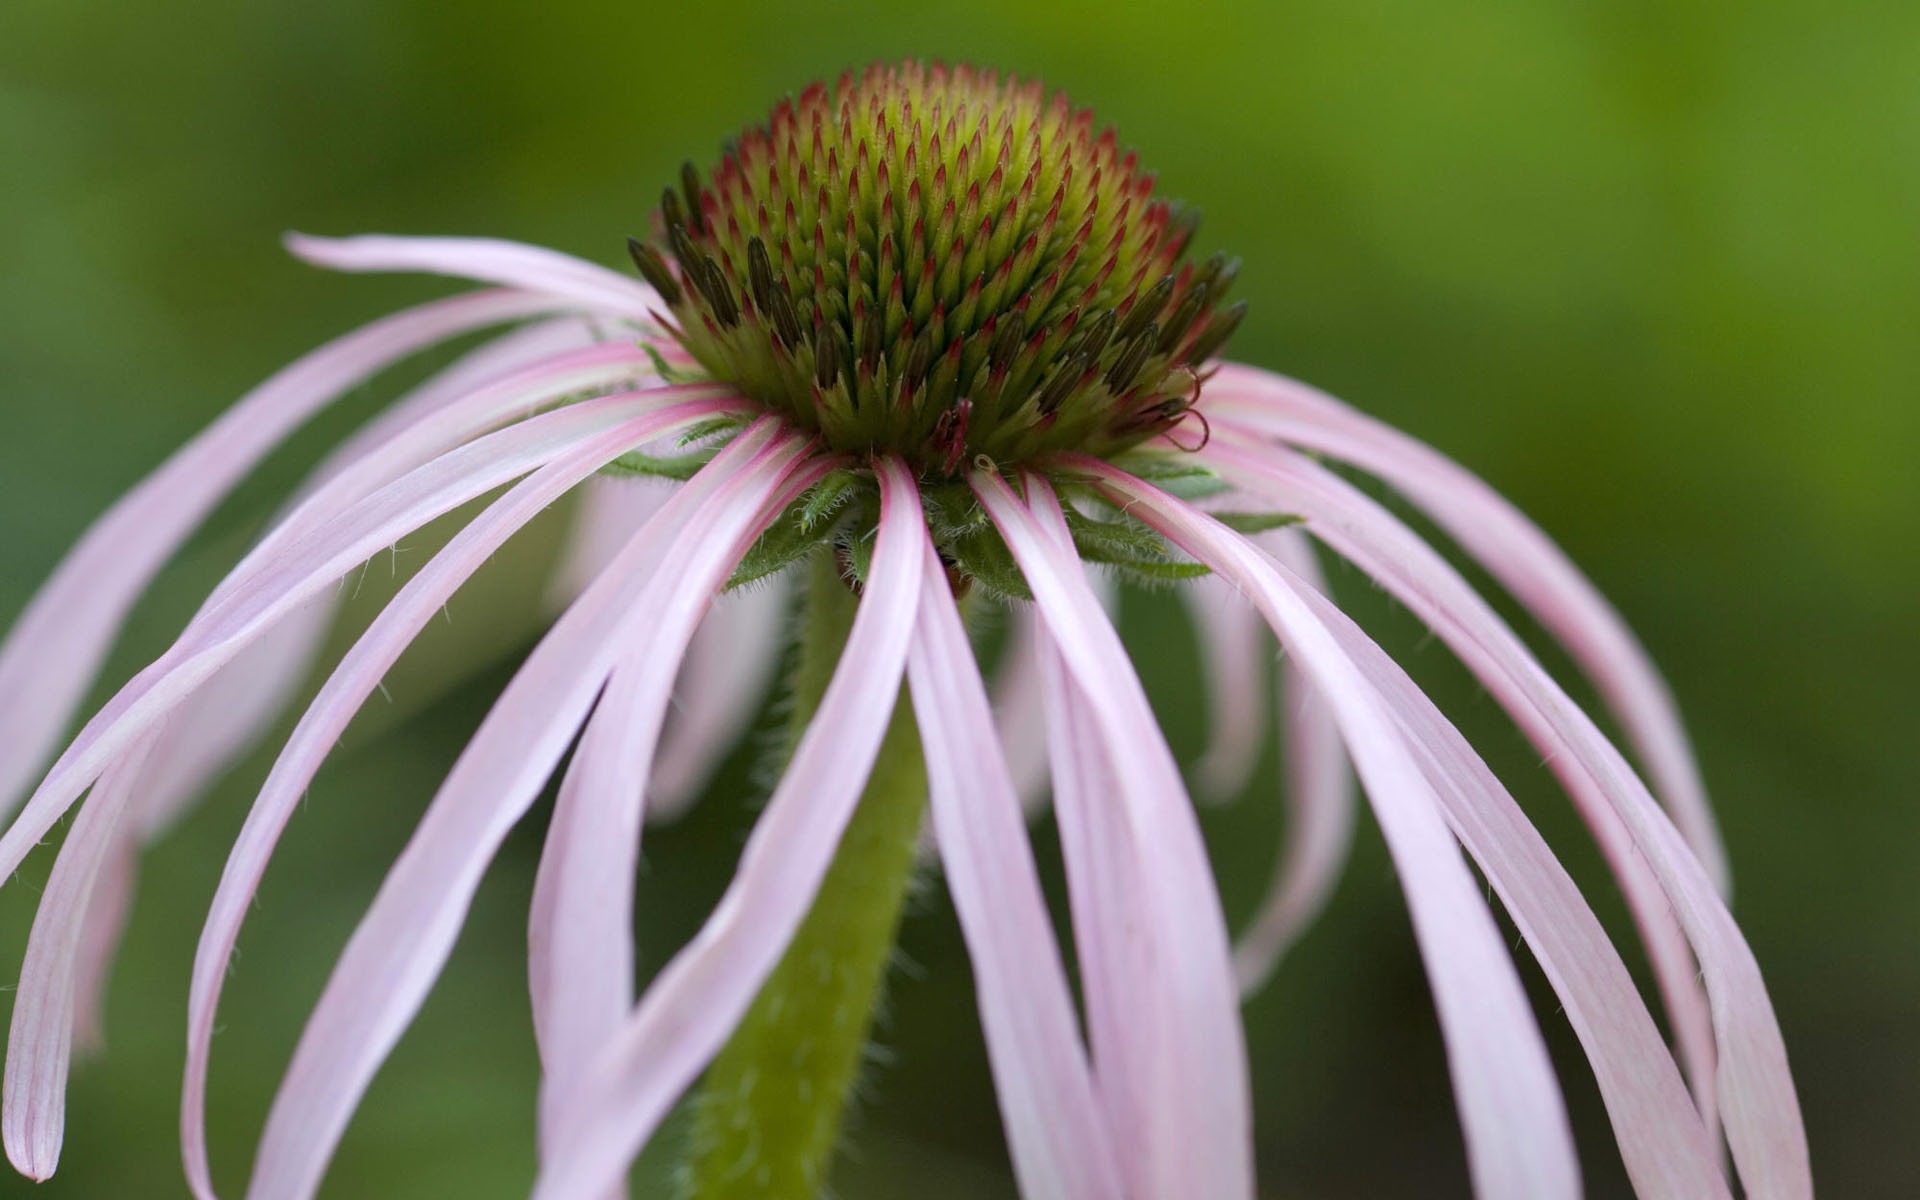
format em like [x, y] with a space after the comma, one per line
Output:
[1653, 268]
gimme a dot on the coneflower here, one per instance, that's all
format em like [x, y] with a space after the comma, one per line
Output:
[925, 342]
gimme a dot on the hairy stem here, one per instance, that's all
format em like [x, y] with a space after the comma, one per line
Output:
[768, 1115]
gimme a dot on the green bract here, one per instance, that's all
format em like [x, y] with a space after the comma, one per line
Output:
[944, 264]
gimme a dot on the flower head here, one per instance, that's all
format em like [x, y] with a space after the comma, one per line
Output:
[925, 334]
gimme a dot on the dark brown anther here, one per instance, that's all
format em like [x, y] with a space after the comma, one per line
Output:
[1092, 337]
[950, 436]
[826, 358]
[786, 322]
[760, 274]
[672, 211]
[873, 337]
[1066, 380]
[719, 293]
[919, 358]
[1184, 315]
[654, 270]
[1145, 309]
[686, 252]
[1131, 359]
[1006, 341]
[1218, 330]
[690, 184]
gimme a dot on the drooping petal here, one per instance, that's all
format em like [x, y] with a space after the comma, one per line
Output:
[397, 952]
[1019, 710]
[52, 652]
[1183, 1016]
[239, 704]
[253, 601]
[1319, 799]
[1233, 662]
[1755, 1086]
[485, 260]
[1517, 553]
[1668, 1152]
[40, 1041]
[1519, 1144]
[699, 997]
[1060, 1143]
[106, 923]
[729, 666]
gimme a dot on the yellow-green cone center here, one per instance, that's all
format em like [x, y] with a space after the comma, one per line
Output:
[942, 263]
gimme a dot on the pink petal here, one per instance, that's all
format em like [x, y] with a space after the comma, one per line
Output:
[1233, 660]
[40, 1042]
[1060, 1143]
[254, 600]
[694, 1004]
[51, 654]
[1320, 802]
[243, 701]
[485, 260]
[418, 602]
[106, 922]
[1518, 1141]
[1019, 710]
[396, 953]
[1182, 1047]
[1755, 1085]
[1667, 1149]
[1516, 552]
[729, 669]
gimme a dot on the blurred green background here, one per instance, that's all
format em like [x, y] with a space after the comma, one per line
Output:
[1653, 268]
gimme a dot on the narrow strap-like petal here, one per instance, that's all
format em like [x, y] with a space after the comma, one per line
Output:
[1519, 1144]
[1363, 531]
[1319, 800]
[1184, 1046]
[52, 652]
[244, 700]
[1233, 662]
[1019, 709]
[359, 673]
[40, 1041]
[729, 668]
[485, 260]
[396, 953]
[1668, 1152]
[1755, 1086]
[297, 573]
[1060, 1143]
[1517, 553]
[693, 1006]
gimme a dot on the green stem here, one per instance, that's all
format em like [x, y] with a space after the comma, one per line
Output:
[767, 1117]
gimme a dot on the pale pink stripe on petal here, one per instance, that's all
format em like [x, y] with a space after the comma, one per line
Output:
[729, 669]
[695, 1003]
[1668, 1152]
[53, 650]
[1019, 709]
[1518, 1141]
[396, 953]
[239, 704]
[1515, 550]
[359, 673]
[729, 666]
[1319, 800]
[1197, 1139]
[259, 598]
[485, 260]
[1755, 1085]
[1366, 533]
[106, 923]
[1059, 1140]
[1233, 661]
[40, 1042]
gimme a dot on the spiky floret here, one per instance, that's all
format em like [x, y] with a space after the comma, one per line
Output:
[943, 263]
